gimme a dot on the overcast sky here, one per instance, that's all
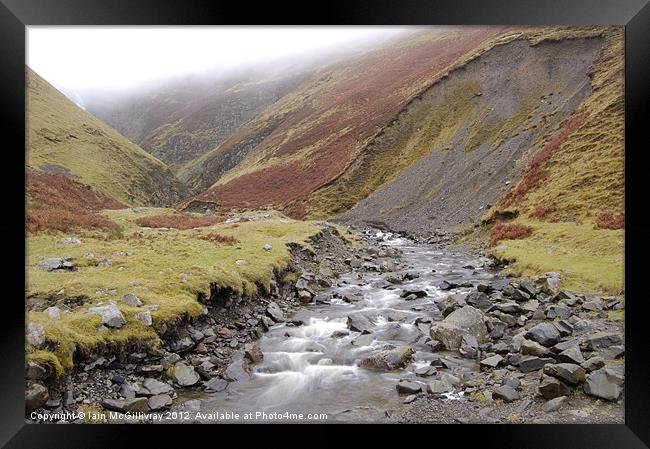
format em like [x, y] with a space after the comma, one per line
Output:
[89, 58]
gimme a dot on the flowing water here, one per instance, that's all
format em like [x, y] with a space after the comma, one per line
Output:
[307, 369]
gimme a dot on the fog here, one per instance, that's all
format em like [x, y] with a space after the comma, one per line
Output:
[81, 61]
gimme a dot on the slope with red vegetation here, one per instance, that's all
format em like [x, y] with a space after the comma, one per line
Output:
[58, 203]
[345, 108]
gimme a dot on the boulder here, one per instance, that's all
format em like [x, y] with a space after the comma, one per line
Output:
[144, 317]
[253, 352]
[468, 346]
[567, 372]
[604, 384]
[132, 300]
[464, 321]
[35, 334]
[571, 355]
[216, 384]
[184, 375]
[237, 370]
[418, 292]
[305, 296]
[267, 247]
[359, 323]
[57, 264]
[551, 387]
[111, 315]
[126, 405]
[544, 333]
[531, 363]
[593, 364]
[509, 307]
[479, 300]
[156, 387]
[53, 312]
[439, 387]
[558, 311]
[36, 395]
[390, 359]
[159, 402]
[529, 347]
[274, 311]
[603, 340]
[505, 393]
[446, 285]
[554, 404]
[407, 387]
[492, 362]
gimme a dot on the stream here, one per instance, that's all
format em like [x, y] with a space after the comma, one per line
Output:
[313, 368]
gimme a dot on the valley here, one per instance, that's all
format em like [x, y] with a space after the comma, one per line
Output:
[426, 229]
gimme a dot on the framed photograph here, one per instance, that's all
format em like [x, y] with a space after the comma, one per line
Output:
[422, 213]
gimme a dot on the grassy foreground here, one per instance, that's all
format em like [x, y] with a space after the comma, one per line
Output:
[589, 259]
[168, 268]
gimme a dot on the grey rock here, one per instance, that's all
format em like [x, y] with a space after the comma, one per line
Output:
[492, 362]
[36, 371]
[571, 355]
[468, 346]
[505, 393]
[544, 333]
[529, 347]
[439, 387]
[558, 311]
[110, 314]
[36, 396]
[390, 359]
[237, 371]
[531, 363]
[359, 323]
[184, 375]
[267, 247]
[567, 372]
[594, 306]
[132, 300]
[181, 344]
[57, 264]
[35, 334]
[53, 312]
[464, 321]
[126, 405]
[407, 387]
[71, 241]
[551, 387]
[104, 263]
[593, 364]
[159, 402]
[155, 387]
[603, 340]
[479, 300]
[555, 404]
[274, 311]
[144, 317]
[216, 384]
[604, 384]
[253, 352]
[509, 307]
[418, 292]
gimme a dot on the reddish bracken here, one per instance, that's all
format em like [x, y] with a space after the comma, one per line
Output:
[609, 220]
[218, 238]
[505, 231]
[541, 212]
[57, 203]
[178, 221]
[536, 172]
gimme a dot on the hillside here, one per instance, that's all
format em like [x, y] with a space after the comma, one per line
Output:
[471, 134]
[183, 120]
[63, 138]
[313, 133]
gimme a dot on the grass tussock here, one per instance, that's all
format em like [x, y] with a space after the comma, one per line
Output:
[178, 221]
[167, 268]
[509, 231]
[219, 238]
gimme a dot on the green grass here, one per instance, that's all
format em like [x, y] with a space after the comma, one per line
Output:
[589, 259]
[156, 271]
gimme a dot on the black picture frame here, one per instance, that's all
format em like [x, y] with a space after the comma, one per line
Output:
[633, 14]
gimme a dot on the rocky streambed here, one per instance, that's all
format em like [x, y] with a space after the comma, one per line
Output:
[392, 331]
